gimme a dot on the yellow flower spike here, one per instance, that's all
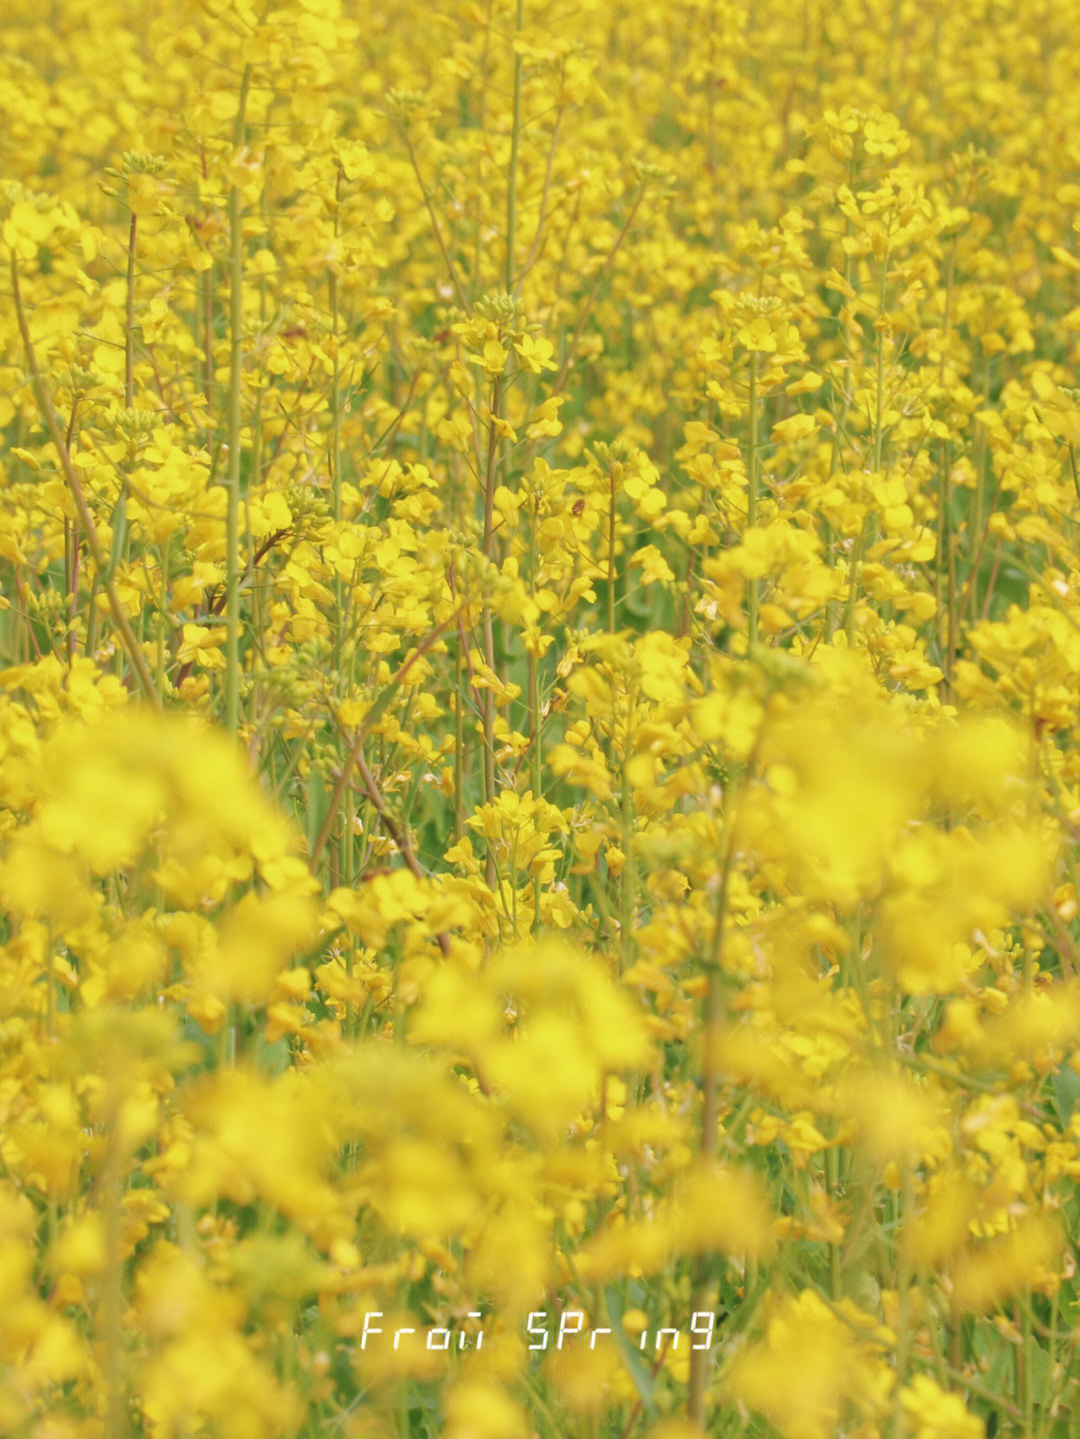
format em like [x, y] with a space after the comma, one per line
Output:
[936, 1414]
[1026, 1257]
[894, 1117]
[1039, 1025]
[456, 1008]
[984, 761]
[939, 1229]
[806, 1371]
[712, 1207]
[79, 1249]
[102, 806]
[45, 1147]
[250, 1138]
[57, 1354]
[543, 1074]
[841, 779]
[257, 938]
[512, 1259]
[481, 1408]
[587, 1379]
[948, 884]
[40, 883]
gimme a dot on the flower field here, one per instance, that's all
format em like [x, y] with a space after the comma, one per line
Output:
[539, 717]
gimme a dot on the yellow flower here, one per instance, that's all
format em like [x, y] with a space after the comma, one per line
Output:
[535, 354]
[937, 1414]
[806, 1369]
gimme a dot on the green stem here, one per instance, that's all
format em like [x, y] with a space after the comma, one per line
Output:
[904, 1334]
[459, 745]
[335, 379]
[752, 483]
[129, 319]
[716, 998]
[451, 269]
[93, 543]
[232, 485]
[207, 290]
[490, 476]
[628, 888]
[611, 552]
[511, 185]
[163, 613]
[370, 720]
[853, 582]
[115, 1415]
[587, 308]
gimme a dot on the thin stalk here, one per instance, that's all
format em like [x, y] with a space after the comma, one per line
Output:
[536, 768]
[481, 121]
[538, 237]
[129, 318]
[342, 601]
[116, 1426]
[628, 887]
[612, 489]
[459, 746]
[853, 581]
[1024, 1365]
[71, 550]
[451, 269]
[71, 580]
[752, 486]
[714, 1010]
[207, 289]
[206, 293]
[101, 564]
[992, 581]
[511, 181]
[568, 357]
[1051, 1354]
[490, 476]
[163, 614]
[715, 1007]
[371, 719]
[536, 721]
[904, 1336]
[832, 1181]
[396, 833]
[335, 379]
[953, 628]
[879, 435]
[232, 486]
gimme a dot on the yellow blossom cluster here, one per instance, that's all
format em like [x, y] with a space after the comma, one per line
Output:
[539, 719]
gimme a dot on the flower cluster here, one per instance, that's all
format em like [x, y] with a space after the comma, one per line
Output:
[539, 719]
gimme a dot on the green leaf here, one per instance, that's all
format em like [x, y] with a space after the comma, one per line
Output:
[318, 802]
[644, 1382]
[1067, 1091]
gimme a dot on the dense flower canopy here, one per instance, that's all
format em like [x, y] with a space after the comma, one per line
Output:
[539, 716]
